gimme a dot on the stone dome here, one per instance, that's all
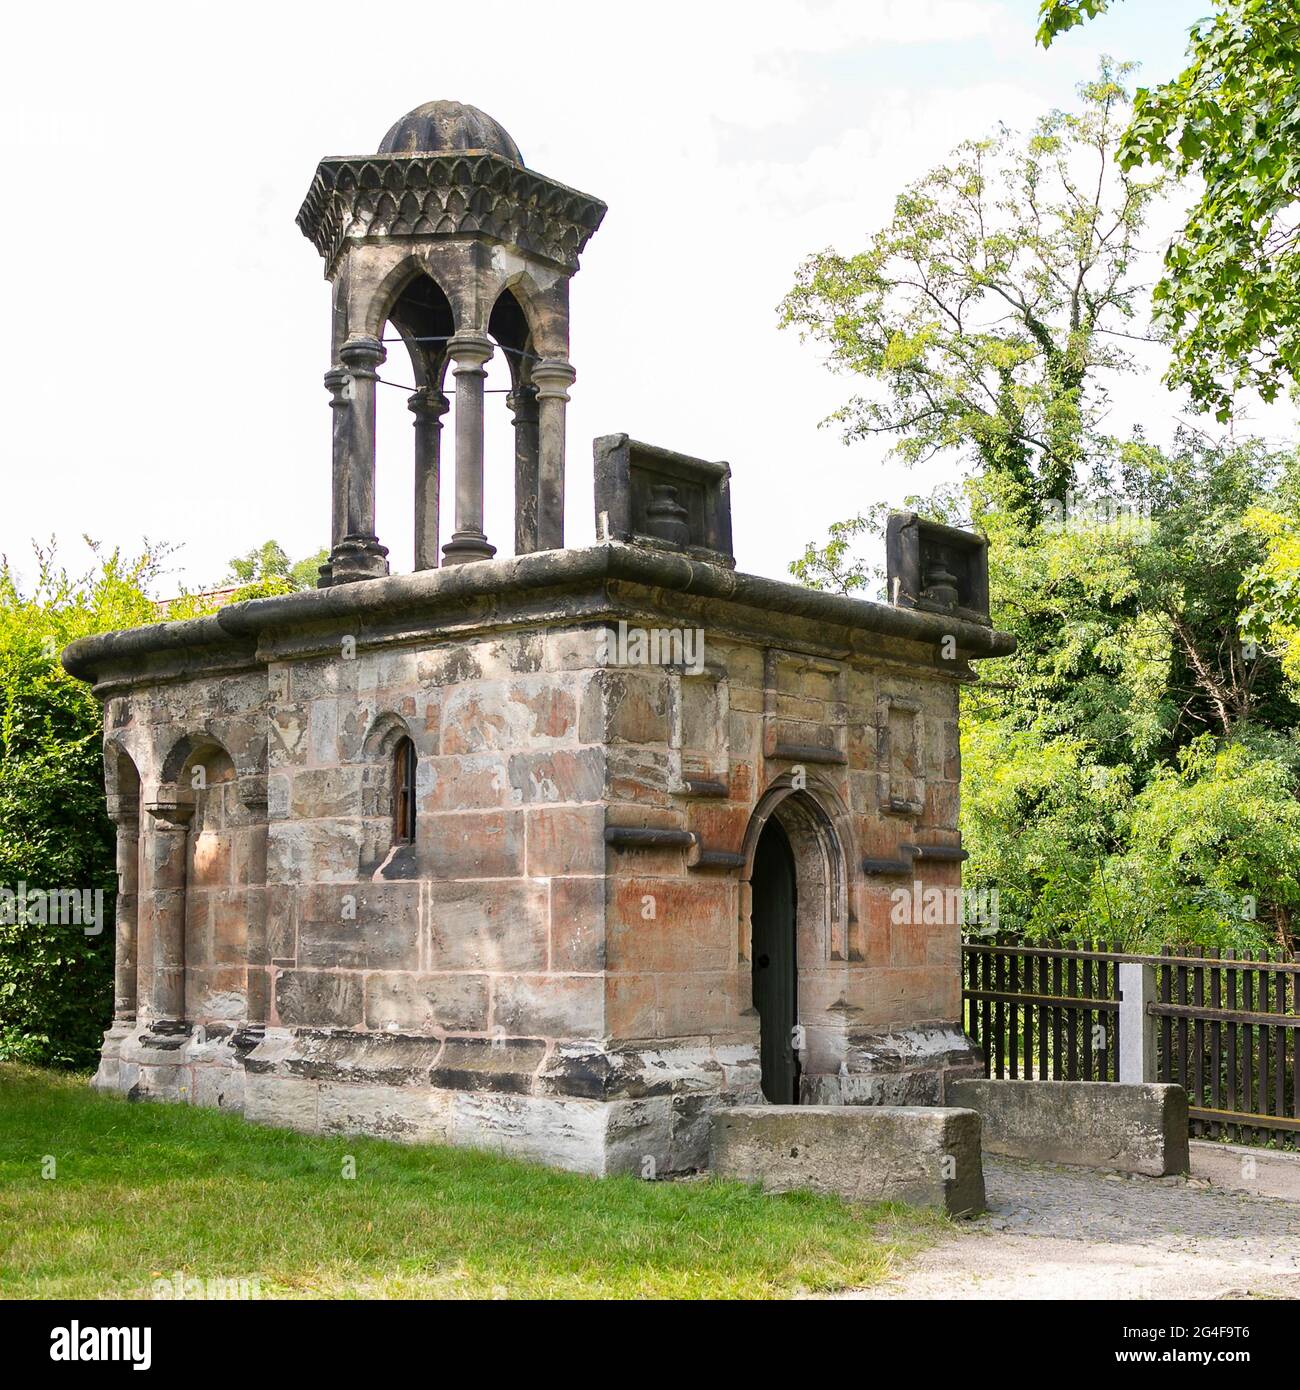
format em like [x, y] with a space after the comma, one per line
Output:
[439, 126]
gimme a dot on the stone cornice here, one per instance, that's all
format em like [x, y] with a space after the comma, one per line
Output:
[547, 587]
[459, 193]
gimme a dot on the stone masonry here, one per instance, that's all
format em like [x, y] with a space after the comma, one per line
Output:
[556, 959]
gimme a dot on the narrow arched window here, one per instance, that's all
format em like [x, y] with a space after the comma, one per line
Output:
[404, 791]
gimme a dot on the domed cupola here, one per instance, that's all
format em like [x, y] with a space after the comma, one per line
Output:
[448, 237]
[439, 127]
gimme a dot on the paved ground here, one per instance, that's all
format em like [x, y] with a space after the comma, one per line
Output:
[1074, 1233]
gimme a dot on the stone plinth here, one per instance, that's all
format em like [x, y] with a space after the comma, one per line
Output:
[1095, 1124]
[927, 1156]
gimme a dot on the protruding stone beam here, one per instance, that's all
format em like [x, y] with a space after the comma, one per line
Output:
[428, 406]
[469, 353]
[165, 854]
[358, 555]
[523, 405]
[552, 376]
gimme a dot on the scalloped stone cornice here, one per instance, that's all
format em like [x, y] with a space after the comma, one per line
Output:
[446, 194]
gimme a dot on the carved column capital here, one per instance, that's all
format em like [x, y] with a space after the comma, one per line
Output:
[522, 403]
[469, 351]
[428, 406]
[553, 376]
[171, 807]
[362, 356]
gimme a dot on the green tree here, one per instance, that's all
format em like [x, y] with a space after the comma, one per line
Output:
[1131, 771]
[266, 569]
[987, 312]
[56, 982]
[1271, 589]
[1228, 124]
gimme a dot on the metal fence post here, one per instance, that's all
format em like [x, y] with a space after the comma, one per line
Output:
[1137, 1029]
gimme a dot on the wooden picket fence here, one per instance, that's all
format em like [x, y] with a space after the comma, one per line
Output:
[1043, 1013]
[1226, 1029]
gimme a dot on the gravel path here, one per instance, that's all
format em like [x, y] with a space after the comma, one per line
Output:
[1074, 1233]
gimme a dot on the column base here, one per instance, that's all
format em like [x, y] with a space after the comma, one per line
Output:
[358, 557]
[465, 546]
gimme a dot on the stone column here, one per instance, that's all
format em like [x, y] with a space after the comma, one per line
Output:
[252, 796]
[468, 542]
[358, 555]
[428, 406]
[336, 383]
[553, 376]
[166, 848]
[523, 404]
[125, 941]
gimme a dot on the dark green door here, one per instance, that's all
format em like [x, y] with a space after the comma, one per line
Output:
[773, 953]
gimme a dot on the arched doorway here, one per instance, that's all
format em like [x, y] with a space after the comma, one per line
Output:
[774, 954]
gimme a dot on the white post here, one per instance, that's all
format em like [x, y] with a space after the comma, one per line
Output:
[1137, 1029]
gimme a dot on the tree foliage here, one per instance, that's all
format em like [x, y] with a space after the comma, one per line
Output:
[56, 982]
[1230, 123]
[988, 309]
[1133, 767]
[266, 570]
[1132, 770]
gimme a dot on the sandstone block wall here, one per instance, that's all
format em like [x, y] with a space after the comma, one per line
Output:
[560, 960]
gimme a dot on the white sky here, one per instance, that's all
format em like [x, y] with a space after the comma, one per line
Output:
[168, 323]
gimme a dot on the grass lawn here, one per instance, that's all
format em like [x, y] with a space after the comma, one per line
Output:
[143, 1191]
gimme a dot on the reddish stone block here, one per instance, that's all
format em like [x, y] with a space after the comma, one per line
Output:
[719, 825]
[548, 1006]
[577, 924]
[941, 805]
[562, 775]
[472, 844]
[552, 709]
[492, 925]
[666, 924]
[566, 840]
[631, 1006]
[210, 857]
[465, 783]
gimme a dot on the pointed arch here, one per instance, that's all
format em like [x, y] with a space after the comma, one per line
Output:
[816, 823]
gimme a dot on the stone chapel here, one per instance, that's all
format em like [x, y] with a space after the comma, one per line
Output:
[551, 852]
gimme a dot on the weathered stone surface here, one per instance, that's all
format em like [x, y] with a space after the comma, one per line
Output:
[426, 1005]
[489, 1064]
[318, 998]
[391, 1112]
[1095, 1124]
[564, 1133]
[927, 1156]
